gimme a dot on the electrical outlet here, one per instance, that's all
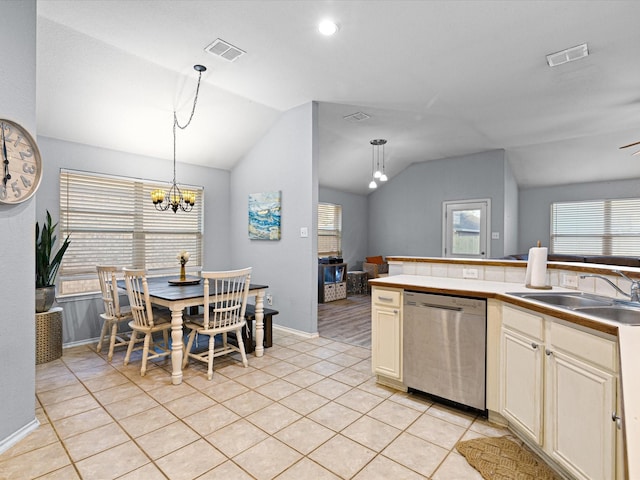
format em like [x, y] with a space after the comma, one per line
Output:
[569, 281]
[269, 298]
[469, 273]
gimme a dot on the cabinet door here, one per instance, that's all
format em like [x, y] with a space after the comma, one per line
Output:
[580, 401]
[521, 363]
[386, 341]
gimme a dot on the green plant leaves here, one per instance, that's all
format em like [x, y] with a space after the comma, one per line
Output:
[46, 267]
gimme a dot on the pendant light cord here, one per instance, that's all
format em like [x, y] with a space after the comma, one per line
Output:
[182, 127]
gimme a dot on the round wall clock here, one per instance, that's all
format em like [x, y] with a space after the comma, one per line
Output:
[21, 163]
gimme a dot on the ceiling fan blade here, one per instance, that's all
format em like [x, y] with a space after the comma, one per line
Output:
[630, 145]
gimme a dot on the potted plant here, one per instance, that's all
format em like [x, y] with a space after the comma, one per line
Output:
[46, 265]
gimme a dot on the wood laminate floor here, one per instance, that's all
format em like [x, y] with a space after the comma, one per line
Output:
[347, 320]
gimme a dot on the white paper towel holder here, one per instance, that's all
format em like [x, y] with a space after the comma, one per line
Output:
[541, 287]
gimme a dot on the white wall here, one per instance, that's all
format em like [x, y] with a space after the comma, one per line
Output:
[354, 224]
[80, 317]
[17, 254]
[405, 214]
[284, 159]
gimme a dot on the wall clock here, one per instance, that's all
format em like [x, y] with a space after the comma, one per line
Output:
[21, 163]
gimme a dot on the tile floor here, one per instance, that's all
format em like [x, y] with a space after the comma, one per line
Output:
[309, 408]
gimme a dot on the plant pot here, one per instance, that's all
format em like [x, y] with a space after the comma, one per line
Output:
[45, 297]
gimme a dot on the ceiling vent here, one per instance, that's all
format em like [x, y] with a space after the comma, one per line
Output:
[568, 55]
[225, 50]
[356, 117]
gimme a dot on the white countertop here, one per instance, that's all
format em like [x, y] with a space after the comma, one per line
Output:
[628, 342]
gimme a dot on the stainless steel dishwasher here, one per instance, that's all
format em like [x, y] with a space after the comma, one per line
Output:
[444, 347]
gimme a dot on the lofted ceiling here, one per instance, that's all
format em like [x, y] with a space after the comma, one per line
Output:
[438, 79]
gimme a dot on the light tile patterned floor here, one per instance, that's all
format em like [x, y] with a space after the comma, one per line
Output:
[309, 408]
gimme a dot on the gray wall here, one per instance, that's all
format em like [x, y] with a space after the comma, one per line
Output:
[80, 314]
[535, 205]
[354, 224]
[284, 159]
[405, 215]
[17, 254]
[510, 235]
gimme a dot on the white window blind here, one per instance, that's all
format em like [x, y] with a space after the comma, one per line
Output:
[596, 227]
[329, 230]
[112, 221]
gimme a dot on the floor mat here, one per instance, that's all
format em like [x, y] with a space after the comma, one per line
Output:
[503, 458]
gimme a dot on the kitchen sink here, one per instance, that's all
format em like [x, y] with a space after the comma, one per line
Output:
[606, 308]
[615, 313]
[567, 299]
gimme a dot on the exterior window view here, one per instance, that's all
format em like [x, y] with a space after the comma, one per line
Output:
[358, 240]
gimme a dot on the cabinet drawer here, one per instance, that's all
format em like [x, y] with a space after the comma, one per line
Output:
[524, 322]
[390, 298]
[590, 347]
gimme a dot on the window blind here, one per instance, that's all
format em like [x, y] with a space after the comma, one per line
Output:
[329, 230]
[111, 221]
[596, 227]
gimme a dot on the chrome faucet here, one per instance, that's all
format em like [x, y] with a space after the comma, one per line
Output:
[635, 285]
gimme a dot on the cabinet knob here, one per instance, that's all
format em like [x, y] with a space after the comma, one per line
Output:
[548, 352]
[534, 345]
[616, 419]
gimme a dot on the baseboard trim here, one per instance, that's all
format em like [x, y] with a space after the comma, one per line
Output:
[300, 333]
[15, 437]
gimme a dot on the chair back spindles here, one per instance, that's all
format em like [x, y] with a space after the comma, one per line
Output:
[225, 301]
[225, 296]
[113, 314]
[138, 293]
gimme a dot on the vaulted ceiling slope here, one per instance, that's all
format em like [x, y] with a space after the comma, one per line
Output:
[438, 79]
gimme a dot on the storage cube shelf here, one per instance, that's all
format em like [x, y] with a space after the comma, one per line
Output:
[332, 282]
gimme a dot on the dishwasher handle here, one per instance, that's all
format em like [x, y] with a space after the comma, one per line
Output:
[440, 307]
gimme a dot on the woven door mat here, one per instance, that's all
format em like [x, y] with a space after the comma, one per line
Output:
[502, 458]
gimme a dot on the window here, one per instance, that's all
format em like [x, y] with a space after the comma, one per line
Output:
[329, 230]
[112, 221]
[596, 227]
[465, 228]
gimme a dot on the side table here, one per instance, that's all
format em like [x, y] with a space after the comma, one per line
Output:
[48, 335]
[357, 283]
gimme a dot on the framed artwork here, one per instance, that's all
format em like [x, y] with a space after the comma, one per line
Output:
[264, 216]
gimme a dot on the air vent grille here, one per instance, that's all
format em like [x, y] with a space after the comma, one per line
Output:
[356, 117]
[225, 50]
[568, 55]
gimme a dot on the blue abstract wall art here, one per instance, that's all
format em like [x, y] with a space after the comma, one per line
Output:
[264, 216]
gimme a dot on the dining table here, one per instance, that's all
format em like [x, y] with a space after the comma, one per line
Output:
[178, 295]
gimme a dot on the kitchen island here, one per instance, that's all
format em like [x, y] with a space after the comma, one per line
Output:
[618, 345]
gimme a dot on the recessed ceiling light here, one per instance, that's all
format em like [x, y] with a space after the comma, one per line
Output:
[327, 27]
[568, 55]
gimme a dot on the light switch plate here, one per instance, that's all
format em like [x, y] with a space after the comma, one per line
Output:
[304, 232]
[469, 273]
[569, 281]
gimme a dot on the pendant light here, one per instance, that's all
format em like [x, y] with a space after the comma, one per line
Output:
[377, 151]
[175, 198]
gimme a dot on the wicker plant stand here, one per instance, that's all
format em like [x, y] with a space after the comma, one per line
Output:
[48, 335]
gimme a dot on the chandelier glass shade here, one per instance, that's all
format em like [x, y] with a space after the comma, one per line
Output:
[175, 198]
[377, 166]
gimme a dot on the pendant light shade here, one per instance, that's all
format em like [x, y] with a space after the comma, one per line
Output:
[377, 162]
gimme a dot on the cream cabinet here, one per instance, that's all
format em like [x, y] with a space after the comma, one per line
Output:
[558, 388]
[386, 334]
[521, 370]
[580, 402]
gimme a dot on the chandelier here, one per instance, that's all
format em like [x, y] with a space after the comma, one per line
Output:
[175, 198]
[377, 146]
